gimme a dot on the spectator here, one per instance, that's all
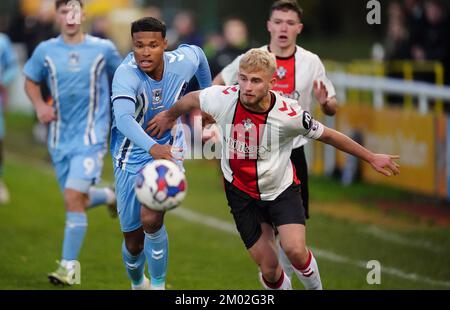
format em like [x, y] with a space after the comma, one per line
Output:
[236, 43]
[214, 43]
[153, 11]
[184, 31]
[397, 45]
[100, 26]
[437, 44]
[415, 20]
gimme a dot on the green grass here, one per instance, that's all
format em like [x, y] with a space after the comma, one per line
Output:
[31, 229]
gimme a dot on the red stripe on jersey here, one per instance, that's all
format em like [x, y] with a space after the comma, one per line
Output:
[246, 136]
[285, 75]
[296, 179]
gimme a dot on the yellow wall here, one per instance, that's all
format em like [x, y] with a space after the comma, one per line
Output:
[92, 7]
[398, 132]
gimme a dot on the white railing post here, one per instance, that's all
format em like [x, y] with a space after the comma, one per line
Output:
[423, 104]
[378, 99]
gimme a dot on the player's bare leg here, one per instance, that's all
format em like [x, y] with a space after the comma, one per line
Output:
[156, 246]
[264, 253]
[292, 238]
[4, 193]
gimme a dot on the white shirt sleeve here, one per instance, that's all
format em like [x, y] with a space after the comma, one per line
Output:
[303, 124]
[230, 72]
[213, 101]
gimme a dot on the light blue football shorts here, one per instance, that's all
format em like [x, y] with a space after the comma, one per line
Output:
[79, 170]
[128, 207]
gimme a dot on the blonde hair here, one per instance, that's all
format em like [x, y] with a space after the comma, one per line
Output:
[256, 60]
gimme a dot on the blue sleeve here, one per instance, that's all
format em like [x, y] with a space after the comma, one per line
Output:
[113, 59]
[8, 62]
[35, 66]
[198, 58]
[124, 109]
[203, 73]
[125, 83]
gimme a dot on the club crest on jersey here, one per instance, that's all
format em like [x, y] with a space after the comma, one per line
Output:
[157, 96]
[248, 124]
[74, 61]
[281, 72]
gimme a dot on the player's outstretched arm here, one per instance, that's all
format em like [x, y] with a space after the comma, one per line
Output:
[381, 163]
[165, 120]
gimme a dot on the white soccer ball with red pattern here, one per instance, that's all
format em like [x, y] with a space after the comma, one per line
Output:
[160, 185]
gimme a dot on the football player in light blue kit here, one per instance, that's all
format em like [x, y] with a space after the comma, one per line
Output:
[147, 82]
[8, 70]
[78, 69]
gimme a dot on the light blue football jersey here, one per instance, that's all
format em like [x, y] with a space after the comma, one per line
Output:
[151, 97]
[78, 76]
[8, 60]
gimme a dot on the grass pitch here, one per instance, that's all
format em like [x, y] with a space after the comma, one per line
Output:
[348, 228]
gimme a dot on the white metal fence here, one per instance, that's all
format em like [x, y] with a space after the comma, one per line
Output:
[425, 92]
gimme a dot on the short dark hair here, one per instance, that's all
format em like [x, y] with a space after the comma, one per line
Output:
[59, 3]
[286, 5]
[150, 24]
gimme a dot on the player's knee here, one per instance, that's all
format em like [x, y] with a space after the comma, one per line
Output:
[295, 252]
[152, 221]
[269, 265]
[269, 271]
[135, 247]
[75, 201]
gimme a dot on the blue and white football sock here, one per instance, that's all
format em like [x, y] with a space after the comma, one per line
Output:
[100, 196]
[134, 265]
[156, 251]
[74, 232]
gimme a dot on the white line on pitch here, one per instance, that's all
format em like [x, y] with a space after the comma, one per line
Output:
[231, 229]
[227, 227]
[379, 233]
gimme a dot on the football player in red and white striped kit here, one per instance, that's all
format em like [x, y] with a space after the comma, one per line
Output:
[300, 74]
[258, 127]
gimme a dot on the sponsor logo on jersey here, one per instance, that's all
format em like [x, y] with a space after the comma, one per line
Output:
[246, 150]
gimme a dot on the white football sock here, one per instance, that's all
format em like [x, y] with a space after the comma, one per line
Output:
[282, 284]
[309, 274]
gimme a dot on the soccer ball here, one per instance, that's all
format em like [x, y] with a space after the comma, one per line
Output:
[160, 185]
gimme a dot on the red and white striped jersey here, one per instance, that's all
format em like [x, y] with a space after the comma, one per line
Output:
[257, 147]
[295, 77]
